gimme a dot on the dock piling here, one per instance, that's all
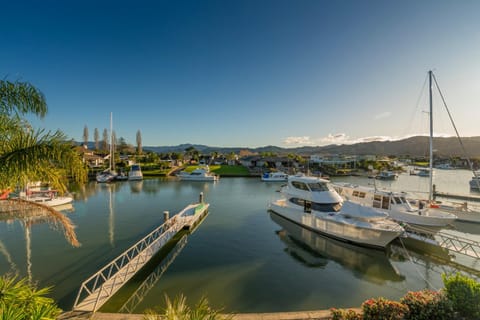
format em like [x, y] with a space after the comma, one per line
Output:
[200, 198]
[166, 216]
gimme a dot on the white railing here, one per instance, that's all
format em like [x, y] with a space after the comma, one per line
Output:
[448, 241]
[135, 299]
[459, 244]
[99, 287]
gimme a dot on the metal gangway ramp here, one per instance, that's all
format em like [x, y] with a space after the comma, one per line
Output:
[449, 241]
[97, 289]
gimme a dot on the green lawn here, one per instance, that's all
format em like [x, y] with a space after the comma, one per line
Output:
[222, 170]
[240, 171]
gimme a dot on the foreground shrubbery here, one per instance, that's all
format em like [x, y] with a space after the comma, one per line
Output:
[464, 293]
[179, 310]
[20, 300]
[460, 299]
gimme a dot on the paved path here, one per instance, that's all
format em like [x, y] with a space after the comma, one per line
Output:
[301, 315]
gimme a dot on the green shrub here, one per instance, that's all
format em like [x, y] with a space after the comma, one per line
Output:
[179, 310]
[464, 293]
[427, 304]
[21, 300]
[342, 314]
[381, 308]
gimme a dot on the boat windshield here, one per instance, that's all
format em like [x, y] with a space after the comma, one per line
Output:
[318, 186]
[398, 200]
[322, 207]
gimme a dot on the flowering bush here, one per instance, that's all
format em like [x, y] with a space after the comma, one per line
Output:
[427, 304]
[384, 309]
[341, 314]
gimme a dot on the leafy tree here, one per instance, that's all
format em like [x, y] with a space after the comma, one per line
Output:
[139, 142]
[192, 153]
[105, 140]
[231, 156]
[96, 138]
[122, 145]
[85, 136]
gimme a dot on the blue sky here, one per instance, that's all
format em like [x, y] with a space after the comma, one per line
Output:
[246, 73]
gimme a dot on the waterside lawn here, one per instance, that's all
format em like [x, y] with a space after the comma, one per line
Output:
[221, 170]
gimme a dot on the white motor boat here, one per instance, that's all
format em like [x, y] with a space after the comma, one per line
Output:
[313, 204]
[462, 211]
[274, 176]
[315, 250]
[387, 175]
[135, 173]
[46, 197]
[199, 174]
[475, 181]
[395, 205]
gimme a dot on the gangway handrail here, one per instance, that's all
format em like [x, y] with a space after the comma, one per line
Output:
[172, 225]
[447, 241]
[152, 279]
[465, 246]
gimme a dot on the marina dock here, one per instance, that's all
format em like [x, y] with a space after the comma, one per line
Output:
[454, 196]
[97, 289]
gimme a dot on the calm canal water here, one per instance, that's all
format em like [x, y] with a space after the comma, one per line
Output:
[242, 257]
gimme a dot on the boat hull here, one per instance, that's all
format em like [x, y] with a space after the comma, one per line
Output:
[208, 178]
[57, 201]
[329, 224]
[423, 218]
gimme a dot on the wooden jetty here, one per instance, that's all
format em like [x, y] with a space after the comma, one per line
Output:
[454, 196]
[97, 289]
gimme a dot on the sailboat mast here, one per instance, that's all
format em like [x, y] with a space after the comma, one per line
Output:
[111, 141]
[430, 191]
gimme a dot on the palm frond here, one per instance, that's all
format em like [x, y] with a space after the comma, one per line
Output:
[38, 156]
[32, 212]
[20, 98]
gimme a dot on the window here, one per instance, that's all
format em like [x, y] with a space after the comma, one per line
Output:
[322, 207]
[318, 186]
[300, 185]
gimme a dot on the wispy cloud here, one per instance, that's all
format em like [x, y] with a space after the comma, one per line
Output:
[382, 115]
[298, 141]
[332, 138]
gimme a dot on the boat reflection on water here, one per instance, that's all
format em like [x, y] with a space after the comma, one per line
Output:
[467, 227]
[136, 186]
[29, 215]
[315, 250]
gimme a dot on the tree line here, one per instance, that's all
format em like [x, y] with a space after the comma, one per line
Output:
[121, 144]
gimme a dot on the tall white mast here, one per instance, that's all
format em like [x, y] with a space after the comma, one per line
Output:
[111, 141]
[430, 191]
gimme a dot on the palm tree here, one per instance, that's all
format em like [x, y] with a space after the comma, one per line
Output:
[20, 98]
[32, 155]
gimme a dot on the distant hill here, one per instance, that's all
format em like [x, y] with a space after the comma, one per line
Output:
[415, 147]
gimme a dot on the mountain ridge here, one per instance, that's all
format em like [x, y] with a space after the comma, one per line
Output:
[417, 146]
